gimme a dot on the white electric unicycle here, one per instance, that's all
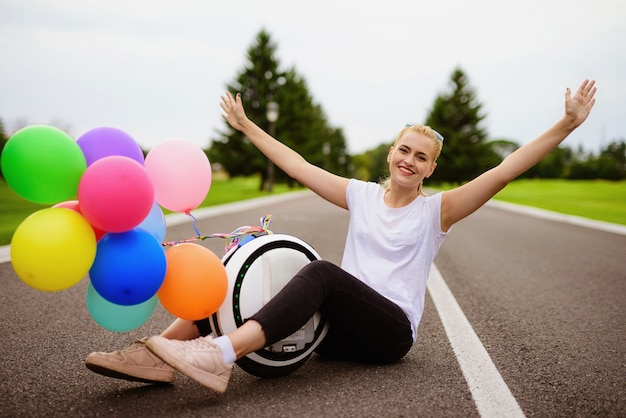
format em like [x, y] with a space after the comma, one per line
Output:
[258, 268]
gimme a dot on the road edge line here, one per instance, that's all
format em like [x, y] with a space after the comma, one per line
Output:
[174, 219]
[559, 217]
[492, 396]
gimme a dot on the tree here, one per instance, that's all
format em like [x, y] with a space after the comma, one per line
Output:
[563, 162]
[257, 84]
[304, 127]
[503, 147]
[612, 161]
[457, 115]
[3, 140]
[554, 165]
[372, 164]
[301, 125]
[583, 166]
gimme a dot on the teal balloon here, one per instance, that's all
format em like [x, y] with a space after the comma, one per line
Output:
[118, 318]
[43, 164]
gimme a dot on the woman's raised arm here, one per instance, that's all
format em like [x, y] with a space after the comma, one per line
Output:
[458, 203]
[327, 185]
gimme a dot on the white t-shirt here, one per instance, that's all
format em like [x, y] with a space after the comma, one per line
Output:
[392, 249]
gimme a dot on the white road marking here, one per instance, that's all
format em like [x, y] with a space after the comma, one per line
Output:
[559, 217]
[491, 394]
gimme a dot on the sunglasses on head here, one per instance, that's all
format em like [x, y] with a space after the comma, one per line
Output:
[437, 134]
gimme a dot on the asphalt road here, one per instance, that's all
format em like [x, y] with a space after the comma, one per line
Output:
[545, 298]
[548, 300]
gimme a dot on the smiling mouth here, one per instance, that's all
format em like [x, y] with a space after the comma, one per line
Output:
[405, 170]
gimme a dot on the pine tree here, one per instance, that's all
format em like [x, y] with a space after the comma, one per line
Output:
[457, 115]
[301, 124]
[304, 127]
[257, 84]
[3, 140]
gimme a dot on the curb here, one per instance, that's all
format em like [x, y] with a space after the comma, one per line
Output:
[559, 217]
[202, 213]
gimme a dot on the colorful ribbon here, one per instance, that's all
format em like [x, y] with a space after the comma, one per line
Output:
[232, 239]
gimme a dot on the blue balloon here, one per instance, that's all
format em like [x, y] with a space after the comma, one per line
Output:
[118, 318]
[129, 267]
[154, 223]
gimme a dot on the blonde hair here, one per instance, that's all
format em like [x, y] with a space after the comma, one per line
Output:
[421, 129]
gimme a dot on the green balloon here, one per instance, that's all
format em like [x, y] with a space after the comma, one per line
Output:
[43, 164]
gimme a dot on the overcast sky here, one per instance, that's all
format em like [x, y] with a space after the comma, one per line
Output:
[156, 69]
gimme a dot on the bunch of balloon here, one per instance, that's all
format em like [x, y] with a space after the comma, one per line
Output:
[54, 248]
[116, 196]
[195, 284]
[106, 222]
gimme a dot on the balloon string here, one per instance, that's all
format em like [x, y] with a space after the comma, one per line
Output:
[194, 223]
[233, 239]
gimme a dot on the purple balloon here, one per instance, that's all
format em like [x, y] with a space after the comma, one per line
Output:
[104, 142]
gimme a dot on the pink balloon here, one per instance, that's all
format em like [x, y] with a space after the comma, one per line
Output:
[74, 205]
[181, 174]
[115, 194]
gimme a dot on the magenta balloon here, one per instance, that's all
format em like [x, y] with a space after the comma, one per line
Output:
[181, 174]
[104, 142]
[115, 194]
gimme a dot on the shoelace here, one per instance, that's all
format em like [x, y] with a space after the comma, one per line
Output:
[199, 343]
[134, 346]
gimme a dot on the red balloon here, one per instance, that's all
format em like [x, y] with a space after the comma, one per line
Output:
[115, 194]
[73, 205]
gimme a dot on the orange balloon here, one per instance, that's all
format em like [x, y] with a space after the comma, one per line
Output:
[195, 283]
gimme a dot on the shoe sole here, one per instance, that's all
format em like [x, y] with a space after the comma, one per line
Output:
[205, 378]
[109, 371]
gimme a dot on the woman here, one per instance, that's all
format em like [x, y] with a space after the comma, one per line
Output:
[394, 234]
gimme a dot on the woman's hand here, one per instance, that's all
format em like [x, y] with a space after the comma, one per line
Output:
[233, 111]
[577, 107]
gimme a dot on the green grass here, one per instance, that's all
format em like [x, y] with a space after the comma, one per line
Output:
[14, 209]
[594, 199]
[237, 189]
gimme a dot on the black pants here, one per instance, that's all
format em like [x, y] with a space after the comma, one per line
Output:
[363, 325]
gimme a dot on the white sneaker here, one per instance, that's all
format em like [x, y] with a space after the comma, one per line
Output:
[201, 359]
[135, 363]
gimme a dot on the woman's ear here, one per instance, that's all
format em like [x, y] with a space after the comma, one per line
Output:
[432, 170]
[389, 154]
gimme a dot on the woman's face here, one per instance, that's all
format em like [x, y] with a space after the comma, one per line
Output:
[411, 159]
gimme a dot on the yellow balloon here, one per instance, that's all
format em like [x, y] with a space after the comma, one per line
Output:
[53, 249]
